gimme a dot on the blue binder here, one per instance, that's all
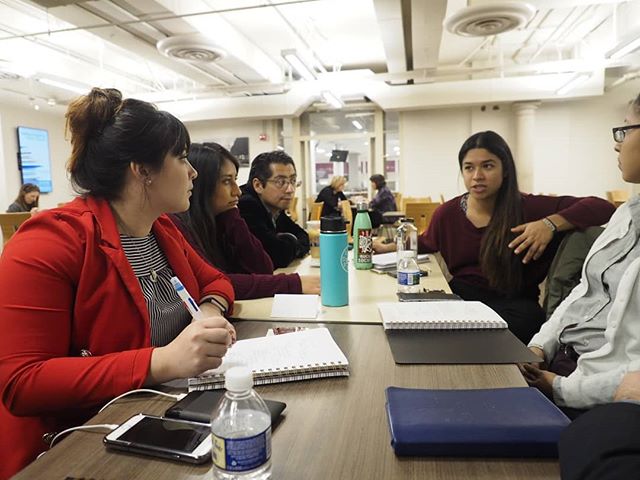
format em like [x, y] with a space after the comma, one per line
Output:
[499, 422]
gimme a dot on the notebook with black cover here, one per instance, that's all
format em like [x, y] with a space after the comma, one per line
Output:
[198, 406]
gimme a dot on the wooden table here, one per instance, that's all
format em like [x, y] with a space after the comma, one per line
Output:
[333, 428]
[366, 290]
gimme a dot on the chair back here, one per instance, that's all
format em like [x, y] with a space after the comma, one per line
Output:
[421, 212]
[398, 198]
[9, 222]
[406, 200]
[316, 210]
[617, 197]
[347, 214]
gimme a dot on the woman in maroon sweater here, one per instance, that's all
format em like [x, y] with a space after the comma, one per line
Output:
[497, 242]
[214, 227]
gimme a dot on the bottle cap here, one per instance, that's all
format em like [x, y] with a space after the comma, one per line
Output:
[407, 220]
[332, 224]
[238, 379]
[362, 206]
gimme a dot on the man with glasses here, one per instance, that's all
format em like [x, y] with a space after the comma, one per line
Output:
[267, 194]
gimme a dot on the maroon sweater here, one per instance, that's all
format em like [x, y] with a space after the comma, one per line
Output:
[458, 240]
[247, 254]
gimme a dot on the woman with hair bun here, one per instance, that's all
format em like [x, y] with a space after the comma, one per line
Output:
[87, 309]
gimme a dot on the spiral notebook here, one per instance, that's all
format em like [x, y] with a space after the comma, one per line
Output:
[449, 315]
[290, 357]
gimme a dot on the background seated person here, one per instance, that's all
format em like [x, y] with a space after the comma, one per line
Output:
[27, 199]
[87, 310]
[214, 227]
[384, 201]
[268, 193]
[497, 242]
[592, 339]
[331, 195]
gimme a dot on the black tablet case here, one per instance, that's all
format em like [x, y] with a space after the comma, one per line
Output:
[198, 406]
[457, 346]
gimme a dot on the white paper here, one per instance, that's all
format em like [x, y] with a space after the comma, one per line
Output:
[295, 306]
[391, 258]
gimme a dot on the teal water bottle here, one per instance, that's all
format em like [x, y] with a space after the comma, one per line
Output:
[334, 262]
[362, 239]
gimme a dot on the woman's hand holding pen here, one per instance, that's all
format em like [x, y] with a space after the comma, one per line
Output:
[199, 347]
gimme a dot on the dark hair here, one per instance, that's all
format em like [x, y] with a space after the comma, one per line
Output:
[497, 261]
[261, 165]
[24, 189]
[207, 159]
[378, 179]
[635, 104]
[107, 134]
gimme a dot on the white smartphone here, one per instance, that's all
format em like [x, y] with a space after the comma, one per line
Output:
[162, 437]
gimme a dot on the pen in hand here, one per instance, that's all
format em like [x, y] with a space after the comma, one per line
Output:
[187, 299]
[191, 304]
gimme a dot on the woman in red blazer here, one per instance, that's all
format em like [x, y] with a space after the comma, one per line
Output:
[87, 311]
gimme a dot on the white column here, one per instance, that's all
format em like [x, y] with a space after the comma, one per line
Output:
[524, 151]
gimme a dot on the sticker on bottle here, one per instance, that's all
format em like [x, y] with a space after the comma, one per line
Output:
[365, 246]
[408, 279]
[344, 259]
[241, 454]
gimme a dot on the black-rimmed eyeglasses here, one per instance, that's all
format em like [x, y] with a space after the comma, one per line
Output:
[620, 132]
[282, 182]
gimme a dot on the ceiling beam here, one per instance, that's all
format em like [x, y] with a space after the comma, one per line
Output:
[389, 15]
[426, 31]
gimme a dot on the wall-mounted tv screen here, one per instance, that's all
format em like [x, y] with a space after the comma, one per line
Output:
[339, 155]
[33, 157]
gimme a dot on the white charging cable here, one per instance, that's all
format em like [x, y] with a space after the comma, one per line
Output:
[178, 396]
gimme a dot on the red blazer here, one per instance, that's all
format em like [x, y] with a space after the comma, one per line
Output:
[67, 289]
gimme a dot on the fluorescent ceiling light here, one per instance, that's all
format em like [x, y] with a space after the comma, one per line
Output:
[357, 124]
[292, 57]
[332, 99]
[623, 48]
[64, 85]
[573, 83]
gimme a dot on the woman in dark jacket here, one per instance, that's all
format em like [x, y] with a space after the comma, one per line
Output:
[331, 195]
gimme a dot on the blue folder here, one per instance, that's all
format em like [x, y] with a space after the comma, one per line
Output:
[498, 422]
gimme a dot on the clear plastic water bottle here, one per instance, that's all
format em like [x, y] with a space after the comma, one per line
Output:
[408, 271]
[241, 431]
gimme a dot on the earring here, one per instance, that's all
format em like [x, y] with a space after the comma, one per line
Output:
[147, 181]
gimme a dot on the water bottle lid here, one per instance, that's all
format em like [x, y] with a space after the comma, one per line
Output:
[332, 224]
[362, 206]
[238, 379]
[407, 220]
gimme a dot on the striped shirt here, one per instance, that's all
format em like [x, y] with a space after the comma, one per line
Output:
[167, 314]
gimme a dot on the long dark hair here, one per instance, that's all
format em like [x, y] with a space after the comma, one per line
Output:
[207, 159]
[502, 268]
[108, 133]
[24, 189]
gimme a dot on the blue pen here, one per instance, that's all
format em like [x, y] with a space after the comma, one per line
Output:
[187, 299]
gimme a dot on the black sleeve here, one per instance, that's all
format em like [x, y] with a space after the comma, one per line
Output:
[602, 444]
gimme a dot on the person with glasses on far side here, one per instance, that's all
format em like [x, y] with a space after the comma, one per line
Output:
[266, 195]
[593, 338]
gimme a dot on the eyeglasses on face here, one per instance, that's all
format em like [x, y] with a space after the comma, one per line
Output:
[620, 132]
[283, 182]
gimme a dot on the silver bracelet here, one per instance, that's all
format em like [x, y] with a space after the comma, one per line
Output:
[550, 224]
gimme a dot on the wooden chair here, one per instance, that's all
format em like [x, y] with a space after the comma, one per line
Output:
[347, 214]
[292, 211]
[421, 212]
[617, 197]
[316, 210]
[442, 200]
[9, 222]
[398, 198]
[406, 200]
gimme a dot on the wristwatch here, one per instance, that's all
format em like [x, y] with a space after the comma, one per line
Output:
[550, 224]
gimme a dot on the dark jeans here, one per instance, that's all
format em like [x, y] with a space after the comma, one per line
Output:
[524, 316]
